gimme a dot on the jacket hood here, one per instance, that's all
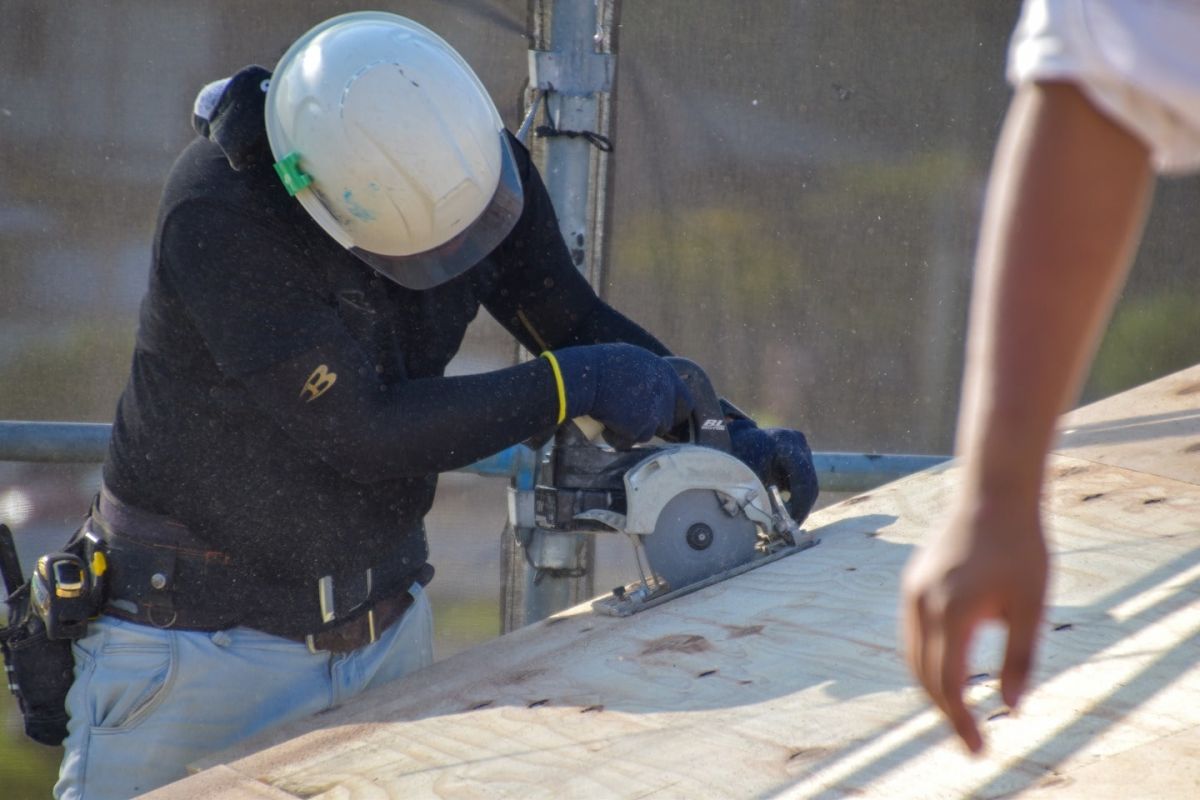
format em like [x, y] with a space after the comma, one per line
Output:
[231, 113]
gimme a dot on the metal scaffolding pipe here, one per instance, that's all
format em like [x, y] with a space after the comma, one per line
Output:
[87, 443]
[54, 442]
[858, 472]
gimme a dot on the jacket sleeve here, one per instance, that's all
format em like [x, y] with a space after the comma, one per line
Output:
[277, 338]
[536, 291]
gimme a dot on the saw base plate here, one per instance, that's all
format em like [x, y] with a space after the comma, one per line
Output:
[639, 595]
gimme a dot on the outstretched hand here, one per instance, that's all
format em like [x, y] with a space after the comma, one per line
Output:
[983, 565]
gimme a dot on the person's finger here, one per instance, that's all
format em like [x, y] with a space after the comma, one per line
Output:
[923, 638]
[932, 656]
[936, 640]
[913, 631]
[1023, 621]
[951, 670]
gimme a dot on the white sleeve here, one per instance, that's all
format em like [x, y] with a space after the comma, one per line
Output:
[1138, 62]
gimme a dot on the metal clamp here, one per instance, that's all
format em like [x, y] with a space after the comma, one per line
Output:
[326, 597]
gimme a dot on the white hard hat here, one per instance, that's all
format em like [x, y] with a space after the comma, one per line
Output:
[393, 146]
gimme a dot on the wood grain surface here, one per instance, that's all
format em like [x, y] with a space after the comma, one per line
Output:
[788, 682]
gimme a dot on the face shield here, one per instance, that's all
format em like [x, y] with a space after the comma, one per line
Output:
[459, 254]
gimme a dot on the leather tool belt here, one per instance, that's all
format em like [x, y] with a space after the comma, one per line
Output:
[161, 574]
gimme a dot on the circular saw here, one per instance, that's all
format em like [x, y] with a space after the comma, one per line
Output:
[695, 513]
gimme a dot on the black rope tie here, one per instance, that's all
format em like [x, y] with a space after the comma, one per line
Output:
[541, 573]
[599, 141]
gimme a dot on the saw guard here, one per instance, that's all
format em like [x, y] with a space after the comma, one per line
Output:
[652, 483]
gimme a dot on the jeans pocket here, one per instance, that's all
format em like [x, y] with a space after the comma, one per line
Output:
[129, 680]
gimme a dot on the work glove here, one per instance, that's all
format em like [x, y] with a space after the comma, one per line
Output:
[632, 392]
[778, 456]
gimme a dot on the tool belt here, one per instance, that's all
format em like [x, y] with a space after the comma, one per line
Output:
[161, 574]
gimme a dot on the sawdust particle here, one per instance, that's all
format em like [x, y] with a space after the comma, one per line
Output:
[1055, 779]
[740, 631]
[706, 673]
[1067, 472]
[808, 753]
[589, 709]
[522, 676]
[538, 703]
[677, 643]
[478, 706]
[1089, 497]
[1154, 500]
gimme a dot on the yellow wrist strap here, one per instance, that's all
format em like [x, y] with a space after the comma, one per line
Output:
[558, 382]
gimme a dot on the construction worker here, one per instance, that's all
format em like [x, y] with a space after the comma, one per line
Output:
[319, 252]
[1106, 93]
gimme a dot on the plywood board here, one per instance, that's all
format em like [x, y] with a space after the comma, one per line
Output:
[787, 681]
[1154, 428]
[223, 783]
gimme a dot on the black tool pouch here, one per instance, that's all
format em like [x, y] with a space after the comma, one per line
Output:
[40, 671]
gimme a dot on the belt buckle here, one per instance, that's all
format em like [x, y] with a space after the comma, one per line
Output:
[327, 601]
[310, 640]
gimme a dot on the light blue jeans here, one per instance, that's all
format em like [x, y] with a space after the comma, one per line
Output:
[147, 702]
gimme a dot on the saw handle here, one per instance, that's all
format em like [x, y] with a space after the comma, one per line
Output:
[707, 425]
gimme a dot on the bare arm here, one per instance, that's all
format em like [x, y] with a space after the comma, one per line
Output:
[1065, 206]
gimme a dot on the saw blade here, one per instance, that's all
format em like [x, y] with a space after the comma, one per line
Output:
[694, 538]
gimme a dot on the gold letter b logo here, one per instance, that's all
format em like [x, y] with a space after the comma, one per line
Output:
[318, 383]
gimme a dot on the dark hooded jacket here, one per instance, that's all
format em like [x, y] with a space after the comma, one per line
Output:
[289, 405]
